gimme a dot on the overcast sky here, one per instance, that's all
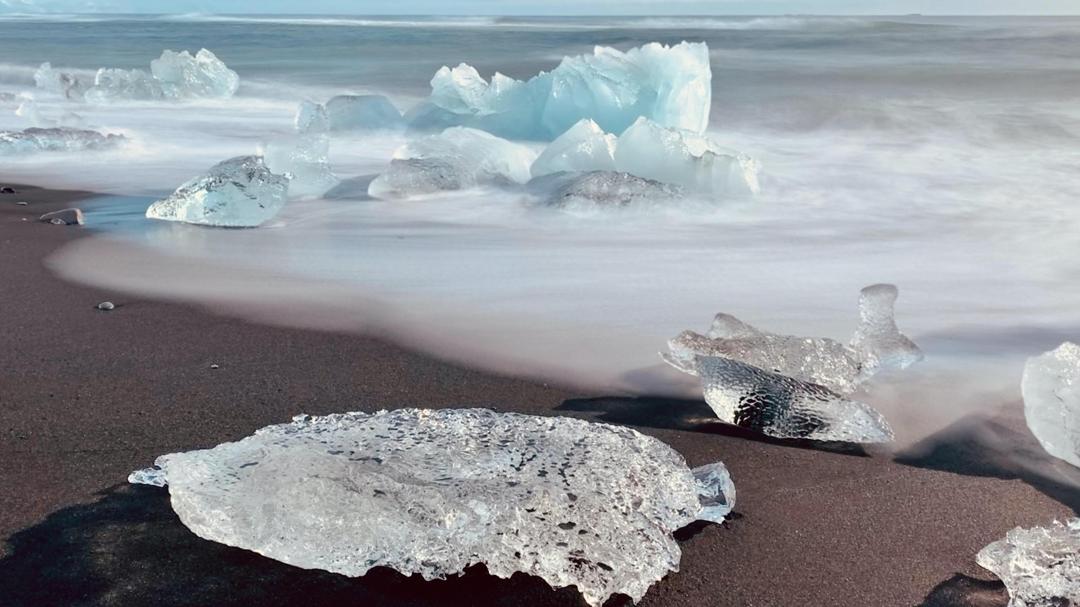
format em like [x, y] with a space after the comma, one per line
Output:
[551, 7]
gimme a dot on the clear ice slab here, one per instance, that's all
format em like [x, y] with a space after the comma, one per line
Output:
[876, 345]
[456, 159]
[305, 156]
[784, 407]
[670, 85]
[56, 139]
[583, 147]
[238, 193]
[363, 113]
[1051, 391]
[1039, 566]
[432, 492]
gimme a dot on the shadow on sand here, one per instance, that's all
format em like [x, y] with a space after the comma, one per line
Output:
[996, 447]
[964, 591]
[690, 416]
[129, 548]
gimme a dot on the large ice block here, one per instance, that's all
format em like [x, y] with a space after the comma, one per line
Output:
[456, 159]
[671, 85]
[582, 148]
[1051, 390]
[1039, 566]
[238, 193]
[432, 492]
[650, 150]
[65, 84]
[59, 139]
[363, 113]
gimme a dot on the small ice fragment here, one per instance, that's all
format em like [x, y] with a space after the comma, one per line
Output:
[363, 113]
[149, 476]
[584, 147]
[878, 343]
[780, 406]
[716, 492]
[106, 306]
[1039, 566]
[65, 217]
[311, 117]
[22, 203]
[433, 492]
[1051, 391]
[305, 159]
[456, 159]
[62, 83]
[695, 162]
[215, 366]
[586, 192]
[60, 139]
[239, 192]
[173, 77]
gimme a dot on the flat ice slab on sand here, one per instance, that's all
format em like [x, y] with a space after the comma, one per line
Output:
[238, 193]
[1040, 566]
[432, 492]
[671, 85]
[59, 139]
[456, 159]
[1051, 389]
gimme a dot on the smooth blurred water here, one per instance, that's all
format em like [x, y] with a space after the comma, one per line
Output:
[941, 154]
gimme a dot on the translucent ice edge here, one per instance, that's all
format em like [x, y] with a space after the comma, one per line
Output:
[1040, 566]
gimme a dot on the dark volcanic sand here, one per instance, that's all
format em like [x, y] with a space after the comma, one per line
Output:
[87, 396]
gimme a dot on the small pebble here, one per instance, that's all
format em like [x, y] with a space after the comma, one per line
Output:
[7, 190]
[22, 203]
[106, 306]
[215, 366]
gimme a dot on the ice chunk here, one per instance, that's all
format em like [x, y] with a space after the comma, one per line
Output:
[62, 83]
[1051, 390]
[240, 192]
[363, 113]
[877, 345]
[149, 476]
[585, 192]
[1039, 566]
[780, 406]
[648, 149]
[61, 139]
[312, 118]
[584, 147]
[432, 492]
[304, 157]
[671, 85]
[173, 76]
[877, 341]
[456, 159]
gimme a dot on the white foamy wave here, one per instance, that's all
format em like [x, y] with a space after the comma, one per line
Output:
[455, 22]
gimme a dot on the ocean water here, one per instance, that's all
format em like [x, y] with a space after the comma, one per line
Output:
[939, 154]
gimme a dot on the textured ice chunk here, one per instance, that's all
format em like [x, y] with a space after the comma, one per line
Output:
[456, 159]
[62, 139]
[780, 406]
[65, 84]
[304, 157]
[586, 192]
[173, 76]
[311, 117]
[1040, 566]
[433, 492]
[877, 345]
[584, 147]
[671, 85]
[648, 149]
[1051, 390]
[363, 113]
[240, 192]
[149, 476]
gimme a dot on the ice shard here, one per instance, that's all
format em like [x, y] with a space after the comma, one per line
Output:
[305, 156]
[671, 85]
[650, 150]
[238, 193]
[65, 84]
[1039, 566]
[456, 159]
[60, 139]
[584, 147]
[363, 113]
[432, 492]
[784, 407]
[877, 344]
[1051, 391]
[586, 192]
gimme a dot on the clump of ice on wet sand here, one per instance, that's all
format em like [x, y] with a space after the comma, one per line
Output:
[1051, 390]
[794, 387]
[238, 193]
[1039, 566]
[432, 492]
[56, 139]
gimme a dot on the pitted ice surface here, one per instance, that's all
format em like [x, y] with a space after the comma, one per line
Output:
[1040, 566]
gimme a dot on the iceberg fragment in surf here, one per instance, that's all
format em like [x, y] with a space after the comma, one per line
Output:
[172, 76]
[58, 139]
[363, 113]
[432, 492]
[587, 192]
[1039, 566]
[671, 85]
[305, 156]
[1051, 390]
[238, 193]
[583, 147]
[877, 344]
[456, 159]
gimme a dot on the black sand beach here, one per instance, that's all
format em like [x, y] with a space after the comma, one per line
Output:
[87, 396]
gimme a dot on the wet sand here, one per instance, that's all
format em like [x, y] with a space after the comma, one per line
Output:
[87, 396]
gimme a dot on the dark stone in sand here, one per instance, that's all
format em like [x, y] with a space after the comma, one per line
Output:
[7, 190]
[70, 217]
